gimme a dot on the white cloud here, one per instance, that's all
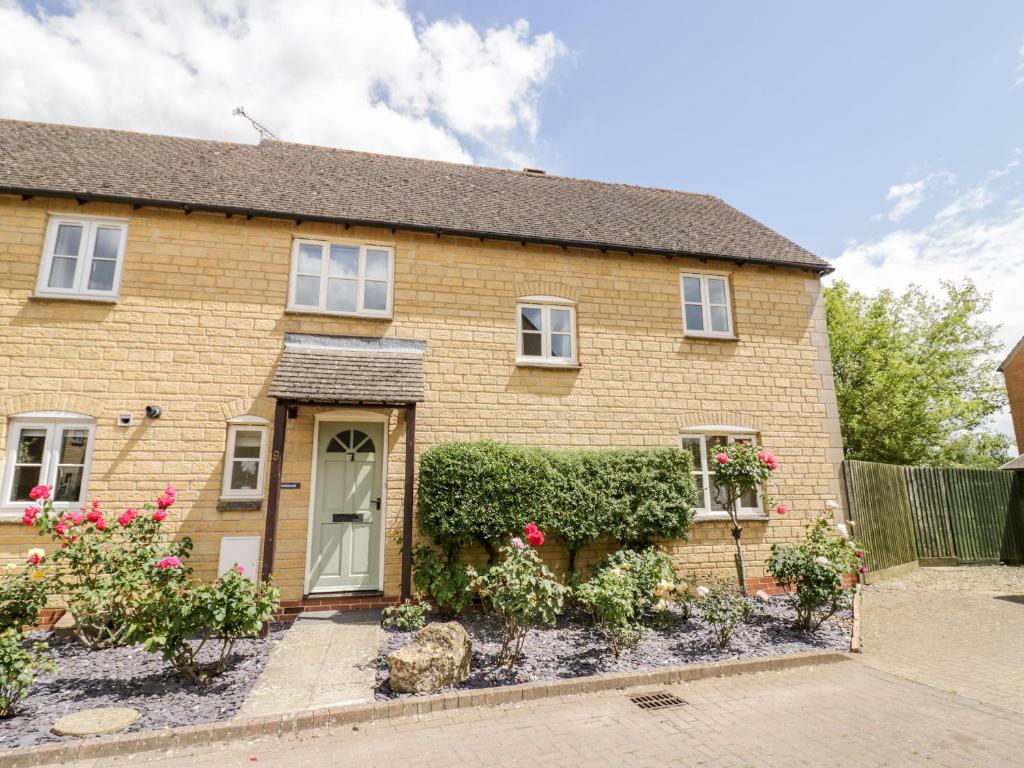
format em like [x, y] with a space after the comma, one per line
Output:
[907, 196]
[978, 234]
[363, 75]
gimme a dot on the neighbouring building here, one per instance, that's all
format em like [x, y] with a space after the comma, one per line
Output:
[278, 330]
[1012, 369]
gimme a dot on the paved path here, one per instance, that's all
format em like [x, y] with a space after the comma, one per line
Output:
[954, 703]
[323, 659]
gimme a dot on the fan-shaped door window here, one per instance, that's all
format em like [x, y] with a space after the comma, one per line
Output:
[351, 441]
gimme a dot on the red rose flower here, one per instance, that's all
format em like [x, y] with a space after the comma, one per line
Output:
[101, 524]
[721, 458]
[160, 515]
[126, 517]
[34, 559]
[94, 515]
[29, 518]
[170, 496]
[39, 492]
[782, 509]
[533, 534]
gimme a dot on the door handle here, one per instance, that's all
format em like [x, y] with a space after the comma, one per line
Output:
[377, 502]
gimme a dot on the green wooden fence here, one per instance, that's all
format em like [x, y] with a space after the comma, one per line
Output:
[936, 516]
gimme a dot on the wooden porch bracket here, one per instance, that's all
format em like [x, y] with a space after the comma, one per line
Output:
[274, 495]
[410, 474]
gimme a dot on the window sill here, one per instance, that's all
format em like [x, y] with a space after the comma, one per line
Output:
[69, 297]
[521, 363]
[324, 313]
[701, 517]
[239, 505]
[710, 337]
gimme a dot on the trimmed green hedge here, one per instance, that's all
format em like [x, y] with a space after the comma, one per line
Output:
[487, 491]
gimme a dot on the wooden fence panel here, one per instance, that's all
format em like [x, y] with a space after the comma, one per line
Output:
[880, 502]
[979, 506]
[930, 512]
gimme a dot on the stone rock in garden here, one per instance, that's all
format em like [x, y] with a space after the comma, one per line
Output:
[93, 722]
[436, 656]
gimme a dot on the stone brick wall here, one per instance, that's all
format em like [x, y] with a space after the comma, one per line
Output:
[200, 322]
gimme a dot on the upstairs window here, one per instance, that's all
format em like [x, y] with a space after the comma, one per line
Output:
[342, 278]
[546, 329]
[82, 258]
[707, 308]
[710, 497]
[52, 449]
[245, 458]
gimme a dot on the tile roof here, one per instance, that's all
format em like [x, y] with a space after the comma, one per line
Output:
[1017, 464]
[335, 369]
[287, 180]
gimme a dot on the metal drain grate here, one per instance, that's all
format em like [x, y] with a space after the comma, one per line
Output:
[657, 701]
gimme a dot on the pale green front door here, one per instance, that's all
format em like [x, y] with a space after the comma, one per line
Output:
[347, 516]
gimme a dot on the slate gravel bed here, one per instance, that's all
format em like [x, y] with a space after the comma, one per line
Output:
[131, 677]
[573, 648]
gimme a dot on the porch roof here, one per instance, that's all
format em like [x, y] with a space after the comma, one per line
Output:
[349, 369]
[1017, 464]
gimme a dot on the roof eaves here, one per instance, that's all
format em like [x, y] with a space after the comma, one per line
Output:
[1017, 348]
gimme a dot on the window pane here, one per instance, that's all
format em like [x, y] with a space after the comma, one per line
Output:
[749, 499]
[560, 320]
[307, 291]
[309, 258]
[691, 290]
[69, 484]
[718, 498]
[73, 444]
[30, 446]
[719, 319]
[247, 444]
[531, 345]
[341, 295]
[375, 295]
[692, 444]
[25, 479]
[243, 475]
[531, 318]
[561, 345]
[377, 264]
[694, 318]
[716, 442]
[699, 478]
[62, 273]
[344, 261]
[69, 237]
[716, 290]
[101, 276]
[107, 242]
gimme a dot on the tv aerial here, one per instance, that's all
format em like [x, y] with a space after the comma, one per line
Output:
[261, 129]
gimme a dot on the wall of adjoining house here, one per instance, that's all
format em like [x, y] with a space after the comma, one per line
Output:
[199, 326]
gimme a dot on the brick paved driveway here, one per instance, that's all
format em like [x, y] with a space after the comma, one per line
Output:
[930, 690]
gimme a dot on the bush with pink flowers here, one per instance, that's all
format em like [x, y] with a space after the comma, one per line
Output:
[105, 564]
[522, 590]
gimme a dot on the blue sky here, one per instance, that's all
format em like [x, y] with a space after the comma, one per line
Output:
[882, 136]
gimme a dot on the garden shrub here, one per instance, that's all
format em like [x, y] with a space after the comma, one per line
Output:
[442, 577]
[522, 591]
[408, 616]
[723, 607]
[487, 491]
[19, 664]
[105, 566]
[814, 569]
[181, 618]
[23, 593]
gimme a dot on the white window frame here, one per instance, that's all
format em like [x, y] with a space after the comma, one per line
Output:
[54, 423]
[321, 307]
[545, 304]
[731, 434]
[83, 261]
[705, 303]
[244, 424]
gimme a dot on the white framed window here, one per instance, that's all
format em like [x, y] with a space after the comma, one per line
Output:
[341, 278]
[245, 458]
[49, 448]
[546, 331]
[707, 306]
[711, 498]
[82, 258]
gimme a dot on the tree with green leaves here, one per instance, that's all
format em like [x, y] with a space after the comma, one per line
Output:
[915, 375]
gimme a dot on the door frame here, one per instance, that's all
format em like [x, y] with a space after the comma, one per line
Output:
[347, 416]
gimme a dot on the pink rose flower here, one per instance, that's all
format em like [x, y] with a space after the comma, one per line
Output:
[168, 562]
[239, 569]
[34, 559]
[859, 554]
[39, 492]
[94, 515]
[517, 543]
[160, 515]
[721, 458]
[77, 518]
[60, 528]
[126, 517]
[101, 524]
[782, 509]
[170, 496]
[863, 569]
[29, 518]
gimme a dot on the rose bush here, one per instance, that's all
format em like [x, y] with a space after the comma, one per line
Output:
[814, 570]
[522, 590]
[106, 566]
[23, 593]
[723, 607]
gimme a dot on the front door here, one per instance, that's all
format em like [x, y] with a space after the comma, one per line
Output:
[347, 517]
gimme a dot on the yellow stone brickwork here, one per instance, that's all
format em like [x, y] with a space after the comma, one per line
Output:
[199, 326]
